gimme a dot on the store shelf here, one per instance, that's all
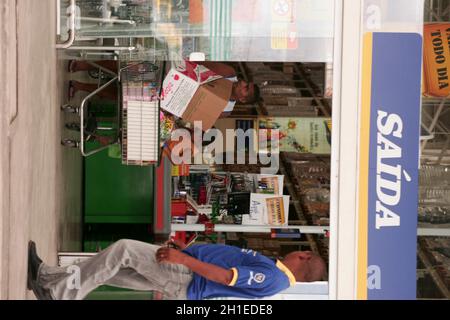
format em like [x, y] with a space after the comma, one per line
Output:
[433, 232]
[296, 201]
[248, 228]
[323, 104]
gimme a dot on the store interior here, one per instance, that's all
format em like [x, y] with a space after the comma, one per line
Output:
[120, 197]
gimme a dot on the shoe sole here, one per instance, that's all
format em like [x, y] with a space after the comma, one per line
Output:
[29, 276]
[71, 91]
[30, 282]
[70, 65]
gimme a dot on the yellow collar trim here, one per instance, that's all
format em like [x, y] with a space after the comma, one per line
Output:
[288, 272]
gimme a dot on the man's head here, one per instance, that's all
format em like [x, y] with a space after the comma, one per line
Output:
[306, 266]
[245, 92]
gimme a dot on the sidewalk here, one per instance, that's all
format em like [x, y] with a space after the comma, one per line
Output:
[33, 166]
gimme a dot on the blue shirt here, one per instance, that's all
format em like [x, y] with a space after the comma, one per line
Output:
[255, 276]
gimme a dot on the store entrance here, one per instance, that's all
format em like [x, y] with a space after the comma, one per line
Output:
[289, 58]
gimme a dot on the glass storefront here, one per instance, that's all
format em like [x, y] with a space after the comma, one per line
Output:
[223, 30]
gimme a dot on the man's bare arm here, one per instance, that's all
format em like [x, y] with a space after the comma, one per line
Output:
[220, 68]
[206, 270]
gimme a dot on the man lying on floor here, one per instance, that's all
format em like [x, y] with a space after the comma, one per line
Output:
[194, 273]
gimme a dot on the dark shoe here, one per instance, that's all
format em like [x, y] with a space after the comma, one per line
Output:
[34, 262]
[71, 91]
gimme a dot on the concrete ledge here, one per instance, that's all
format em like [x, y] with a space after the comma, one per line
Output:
[30, 130]
[8, 103]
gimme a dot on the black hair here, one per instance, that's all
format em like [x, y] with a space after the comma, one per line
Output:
[256, 92]
[256, 95]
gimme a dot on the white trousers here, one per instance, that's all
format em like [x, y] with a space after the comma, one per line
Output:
[126, 264]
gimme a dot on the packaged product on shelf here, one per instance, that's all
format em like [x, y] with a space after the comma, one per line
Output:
[178, 220]
[444, 273]
[271, 244]
[285, 233]
[238, 203]
[317, 208]
[239, 183]
[434, 214]
[434, 175]
[254, 168]
[276, 211]
[276, 100]
[267, 210]
[310, 169]
[269, 184]
[300, 102]
[191, 218]
[320, 221]
[167, 124]
[430, 243]
[437, 195]
[280, 90]
[316, 195]
[217, 188]
[440, 258]
[257, 183]
[255, 243]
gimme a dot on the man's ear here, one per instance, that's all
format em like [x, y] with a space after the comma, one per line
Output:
[305, 255]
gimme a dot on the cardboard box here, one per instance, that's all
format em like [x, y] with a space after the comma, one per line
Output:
[195, 93]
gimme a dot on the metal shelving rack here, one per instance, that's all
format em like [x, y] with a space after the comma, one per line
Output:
[297, 74]
[309, 85]
[309, 79]
[429, 268]
[434, 147]
[311, 238]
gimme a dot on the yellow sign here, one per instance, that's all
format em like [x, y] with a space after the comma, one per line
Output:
[436, 59]
[284, 36]
[180, 170]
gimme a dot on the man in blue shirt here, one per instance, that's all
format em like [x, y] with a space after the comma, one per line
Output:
[198, 272]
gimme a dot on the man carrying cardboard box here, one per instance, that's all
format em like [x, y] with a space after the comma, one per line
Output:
[242, 91]
[204, 92]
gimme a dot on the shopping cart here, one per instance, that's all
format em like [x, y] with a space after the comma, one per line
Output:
[137, 120]
[141, 89]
